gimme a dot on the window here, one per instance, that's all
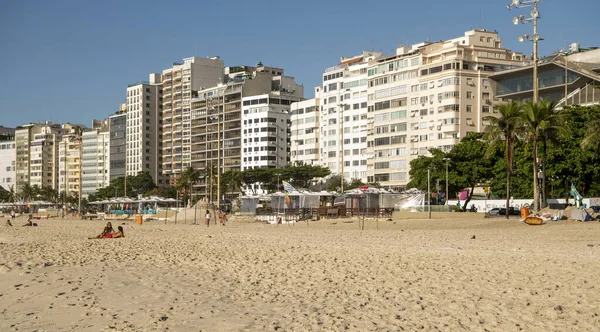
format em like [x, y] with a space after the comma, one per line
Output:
[485, 109]
[469, 108]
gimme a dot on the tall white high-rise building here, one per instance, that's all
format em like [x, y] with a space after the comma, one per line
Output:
[344, 117]
[305, 129]
[144, 129]
[95, 166]
[8, 155]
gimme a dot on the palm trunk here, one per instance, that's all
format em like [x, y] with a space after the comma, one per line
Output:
[536, 188]
[508, 172]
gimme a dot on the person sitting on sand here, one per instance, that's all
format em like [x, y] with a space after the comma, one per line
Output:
[107, 233]
[8, 223]
[29, 222]
[119, 233]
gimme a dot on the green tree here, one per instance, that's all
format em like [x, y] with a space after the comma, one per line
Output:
[570, 163]
[261, 176]
[5, 195]
[591, 140]
[503, 131]
[140, 184]
[355, 183]
[231, 181]
[469, 166]
[165, 192]
[538, 119]
[27, 192]
[189, 177]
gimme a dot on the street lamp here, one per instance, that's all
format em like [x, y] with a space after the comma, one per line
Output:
[447, 194]
[279, 200]
[535, 15]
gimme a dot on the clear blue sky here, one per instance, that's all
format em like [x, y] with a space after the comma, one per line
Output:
[71, 61]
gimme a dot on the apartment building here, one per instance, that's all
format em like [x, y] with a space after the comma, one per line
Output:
[178, 84]
[429, 96]
[8, 154]
[305, 129]
[144, 129]
[344, 117]
[117, 128]
[219, 110]
[95, 165]
[70, 162]
[36, 161]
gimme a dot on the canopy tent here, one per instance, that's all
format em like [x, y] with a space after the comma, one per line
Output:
[298, 199]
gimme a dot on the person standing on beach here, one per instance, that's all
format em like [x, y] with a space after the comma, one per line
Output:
[207, 218]
[12, 214]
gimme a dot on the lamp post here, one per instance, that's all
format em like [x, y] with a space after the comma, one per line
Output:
[447, 194]
[279, 200]
[535, 15]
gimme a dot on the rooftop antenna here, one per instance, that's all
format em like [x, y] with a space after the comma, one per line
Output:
[480, 25]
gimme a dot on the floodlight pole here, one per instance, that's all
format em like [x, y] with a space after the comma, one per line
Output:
[535, 15]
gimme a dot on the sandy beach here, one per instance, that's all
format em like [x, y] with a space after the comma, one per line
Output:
[451, 274]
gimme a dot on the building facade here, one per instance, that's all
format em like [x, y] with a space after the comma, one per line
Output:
[36, 161]
[178, 84]
[569, 78]
[429, 96]
[69, 165]
[305, 129]
[117, 128]
[95, 165]
[219, 110]
[8, 154]
[144, 129]
[344, 117]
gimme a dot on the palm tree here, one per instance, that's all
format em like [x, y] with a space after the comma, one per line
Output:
[27, 191]
[592, 135]
[231, 180]
[539, 120]
[188, 178]
[504, 129]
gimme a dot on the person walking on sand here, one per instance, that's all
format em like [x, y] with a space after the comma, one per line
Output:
[207, 218]
[221, 217]
[12, 214]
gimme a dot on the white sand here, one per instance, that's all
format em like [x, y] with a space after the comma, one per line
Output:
[408, 275]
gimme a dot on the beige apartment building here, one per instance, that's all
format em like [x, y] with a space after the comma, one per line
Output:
[178, 84]
[218, 109]
[36, 163]
[70, 152]
[429, 96]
